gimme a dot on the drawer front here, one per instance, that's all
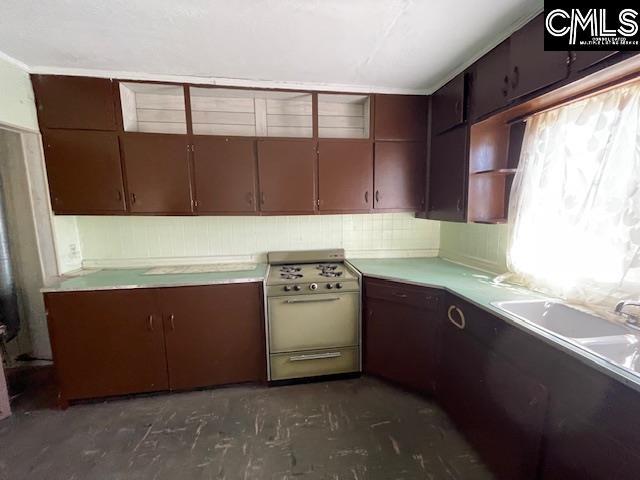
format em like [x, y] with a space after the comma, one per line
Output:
[309, 322]
[314, 363]
[420, 297]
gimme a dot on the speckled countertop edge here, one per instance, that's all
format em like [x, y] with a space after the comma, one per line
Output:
[476, 295]
[132, 278]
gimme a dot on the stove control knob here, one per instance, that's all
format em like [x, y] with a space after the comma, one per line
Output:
[313, 286]
[287, 288]
[296, 288]
[329, 286]
[338, 285]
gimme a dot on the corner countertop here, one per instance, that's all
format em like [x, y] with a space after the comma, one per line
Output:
[480, 288]
[127, 278]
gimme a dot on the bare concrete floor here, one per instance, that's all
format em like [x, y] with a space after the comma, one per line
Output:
[348, 429]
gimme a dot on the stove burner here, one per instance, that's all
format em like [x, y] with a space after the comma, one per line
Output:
[290, 276]
[330, 274]
[290, 269]
[326, 267]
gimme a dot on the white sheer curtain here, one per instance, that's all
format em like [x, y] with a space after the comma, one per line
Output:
[575, 203]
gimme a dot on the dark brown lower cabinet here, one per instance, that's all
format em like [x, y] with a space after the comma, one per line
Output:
[157, 172]
[107, 343]
[84, 172]
[401, 326]
[214, 335]
[500, 409]
[119, 342]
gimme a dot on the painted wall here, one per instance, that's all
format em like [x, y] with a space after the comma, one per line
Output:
[17, 105]
[130, 241]
[474, 244]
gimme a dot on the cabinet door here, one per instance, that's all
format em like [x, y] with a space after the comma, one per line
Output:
[345, 172]
[400, 344]
[225, 175]
[79, 103]
[84, 172]
[214, 334]
[531, 67]
[448, 174]
[448, 107]
[157, 172]
[582, 60]
[490, 85]
[400, 117]
[400, 175]
[286, 169]
[106, 343]
[499, 408]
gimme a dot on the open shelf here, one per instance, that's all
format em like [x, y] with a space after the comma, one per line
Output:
[251, 113]
[494, 155]
[153, 108]
[343, 116]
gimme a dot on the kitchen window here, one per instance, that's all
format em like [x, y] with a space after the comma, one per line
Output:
[575, 201]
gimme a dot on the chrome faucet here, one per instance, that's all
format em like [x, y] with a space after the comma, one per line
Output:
[631, 319]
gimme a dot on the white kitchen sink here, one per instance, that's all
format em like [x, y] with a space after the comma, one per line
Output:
[562, 319]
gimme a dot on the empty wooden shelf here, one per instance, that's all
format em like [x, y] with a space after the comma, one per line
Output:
[153, 108]
[251, 113]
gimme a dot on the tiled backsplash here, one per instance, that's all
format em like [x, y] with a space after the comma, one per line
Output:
[140, 241]
[474, 244]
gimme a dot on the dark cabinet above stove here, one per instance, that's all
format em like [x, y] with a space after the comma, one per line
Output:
[176, 149]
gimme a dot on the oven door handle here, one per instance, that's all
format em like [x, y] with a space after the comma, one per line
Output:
[308, 300]
[314, 356]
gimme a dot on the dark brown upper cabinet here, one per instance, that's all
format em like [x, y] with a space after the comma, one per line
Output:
[490, 84]
[448, 174]
[345, 175]
[582, 60]
[225, 172]
[157, 173]
[400, 117]
[79, 103]
[448, 105]
[531, 67]
[399, 175]
[287, 172]
[84, 172]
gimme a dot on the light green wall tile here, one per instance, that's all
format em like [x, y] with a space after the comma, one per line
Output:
[475, 244]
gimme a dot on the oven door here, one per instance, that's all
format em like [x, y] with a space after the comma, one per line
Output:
[309, 322]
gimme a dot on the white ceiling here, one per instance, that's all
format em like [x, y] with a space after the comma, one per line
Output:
[382, 45]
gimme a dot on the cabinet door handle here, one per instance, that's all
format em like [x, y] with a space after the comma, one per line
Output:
[459, 204]
[366, 197]
[505, 88]
[461, 323]
[172, 324]
[377, 196]
[150, 323]
[400, 295]
[263, 198]
[119, 195]
[516, 77]
[133, 198]
[250, 198]
[314, 356]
